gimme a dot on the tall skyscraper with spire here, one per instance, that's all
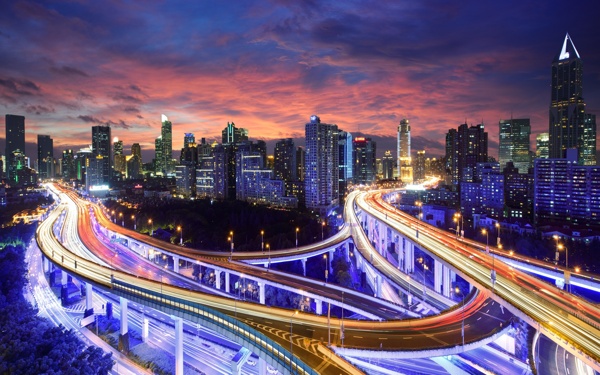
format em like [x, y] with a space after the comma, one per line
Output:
[570, 127]
[404, 160]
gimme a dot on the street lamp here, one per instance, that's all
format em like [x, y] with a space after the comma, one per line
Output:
[487, 249]
[180, 230]
[262, 241]
[567, 276]
[462, 223]
[291, 341]
[113, 216]
[498, 240]
[326, 268]
[322, 230]
[269, 251]
[462, 331]
[231, 239]
[420, 205]
[134, 222]
[556, 239]
[297, 230]
[122, 219]
[152, 227]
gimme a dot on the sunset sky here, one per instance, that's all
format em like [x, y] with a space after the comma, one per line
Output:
[269, 65]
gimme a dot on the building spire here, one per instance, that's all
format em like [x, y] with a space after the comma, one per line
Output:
[564, 53]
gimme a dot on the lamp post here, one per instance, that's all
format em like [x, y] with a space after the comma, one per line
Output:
[180, 230]
[462, 330]
[342, 327]
[269, 251]
[262, 241]
[420, 205]
[326, 268]
[567, 277]
[231, 239]
[152, 227]
[455, 219]
[291, 341]
[134, 222]
[556, 239]
[122, 219]
[498, 239]
[297, 230]
[487, 249]
[113, 216]
[322, 230]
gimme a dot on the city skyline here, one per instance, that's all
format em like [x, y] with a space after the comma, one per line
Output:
[268, 67]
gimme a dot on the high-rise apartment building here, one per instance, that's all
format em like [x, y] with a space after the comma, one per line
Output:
[514, 143]
[45, 162]
[284, 160]
[134, 162]
[120, 163]
[15, 141]
[568, 125]
[387, 165]
[542, 142]
[404, 156]
[101, 149]
[322, 165]
[365, 155]
[419, 166]
[164, 156]
[465, 147]
[68, 165]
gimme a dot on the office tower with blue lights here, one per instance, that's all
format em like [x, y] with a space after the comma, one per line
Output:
[346, 170]
[321, 182]
[570, 127]
[45, 162]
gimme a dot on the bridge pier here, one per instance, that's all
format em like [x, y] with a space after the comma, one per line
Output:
[437, 276]
[330, 259]
[124, 332]
[46, 264]
[218, 279]
[262, 366]
[303, 260]
[145, 323]
[175, 264]
[227, 287]
[446, 281]
[178, 345]
[378, 281]
[261, 293]
[318, 307]
[89, 306]
[64, 278]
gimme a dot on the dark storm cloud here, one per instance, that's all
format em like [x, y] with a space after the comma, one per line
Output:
[19, 86]
[38, 109]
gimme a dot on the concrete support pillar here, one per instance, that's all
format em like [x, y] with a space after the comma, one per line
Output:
[145, 323]
[261, 293]
[446, 282]
[227, 288]
[347, 252]
[175, 264]
[437, 276]
[318, 307]
[46, 265]
[178, 345]
[262, 367]
[330, 258]
[65, 278]
[452, 276]
[383, 240]
[218, 279]
[378, 281]
[303, 260]
[410, 258]
[89, 305]
[124, 332]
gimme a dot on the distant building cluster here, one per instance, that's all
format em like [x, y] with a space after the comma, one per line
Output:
[555, 185]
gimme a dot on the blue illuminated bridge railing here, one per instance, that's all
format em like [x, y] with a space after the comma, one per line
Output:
[215, 320]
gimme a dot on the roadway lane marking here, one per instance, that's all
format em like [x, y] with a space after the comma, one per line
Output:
[407, 338]
[357, 337]
[383, 338]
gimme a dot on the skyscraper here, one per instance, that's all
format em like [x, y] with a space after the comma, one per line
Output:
[285, 160]
[568, 125]
[45, 157]
[15, 141]
[541, 146]
[134, 162]
[419, 169]
[166, 133]
[101, 147]
[231, 134]
[465, 147]
[514, 143]
[404, 158]
[387, 166]
[346, 173]
[119, 157]
[68, 165]
[364, 169]
[322, 165]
